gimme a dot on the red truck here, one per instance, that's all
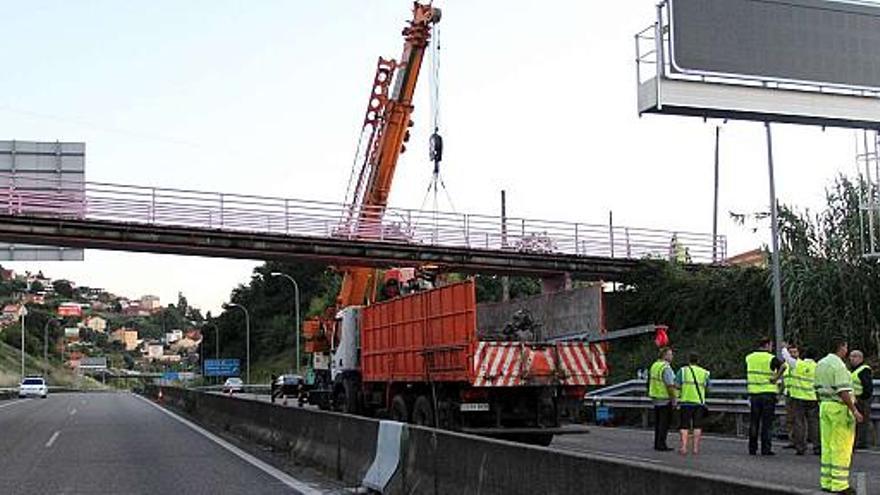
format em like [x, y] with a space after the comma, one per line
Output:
[420, 358]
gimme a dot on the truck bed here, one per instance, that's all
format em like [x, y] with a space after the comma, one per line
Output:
[433, 336]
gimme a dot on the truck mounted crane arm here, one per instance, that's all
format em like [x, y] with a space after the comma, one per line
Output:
[387, 123]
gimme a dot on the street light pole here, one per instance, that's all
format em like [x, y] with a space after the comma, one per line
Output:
[23, 313]
[774, 259]
[247, 327]
[296, 305]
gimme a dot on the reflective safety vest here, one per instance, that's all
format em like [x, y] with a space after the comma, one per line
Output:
[857, 383]
[656, 386]
[787, 380]
[693, 391]
[759, 374]
[832, 377]
[802, 385]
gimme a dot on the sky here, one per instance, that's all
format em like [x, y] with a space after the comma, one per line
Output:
[267, 97]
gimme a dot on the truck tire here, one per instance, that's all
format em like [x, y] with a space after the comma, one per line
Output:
[399, 410]
[347, 397]
[423, 412]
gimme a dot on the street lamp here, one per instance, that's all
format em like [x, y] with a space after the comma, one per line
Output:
[216, 338]
[23, 313]
[296, 304]
[247, 327]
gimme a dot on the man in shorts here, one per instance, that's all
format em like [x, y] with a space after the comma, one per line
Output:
[693, 382]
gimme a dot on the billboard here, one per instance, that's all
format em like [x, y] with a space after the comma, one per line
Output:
[800, 41]
[42, 178]
[69, 309]
[809, 62]
[222, 367]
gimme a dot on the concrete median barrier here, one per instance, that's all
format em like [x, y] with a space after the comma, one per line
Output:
[448, 462]
[441, 462]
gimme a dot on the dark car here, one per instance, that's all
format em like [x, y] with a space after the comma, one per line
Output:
[290, 385]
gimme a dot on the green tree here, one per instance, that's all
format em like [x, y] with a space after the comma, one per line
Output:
[63, 288]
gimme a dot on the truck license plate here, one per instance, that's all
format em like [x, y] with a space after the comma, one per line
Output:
[474, 407]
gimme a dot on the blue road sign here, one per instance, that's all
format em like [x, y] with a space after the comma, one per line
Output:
[222, 367]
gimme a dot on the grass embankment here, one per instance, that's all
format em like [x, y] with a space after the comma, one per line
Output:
[56, 375]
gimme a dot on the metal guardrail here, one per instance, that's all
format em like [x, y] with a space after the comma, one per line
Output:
[727, 396]
[56, 198]
[252, 388]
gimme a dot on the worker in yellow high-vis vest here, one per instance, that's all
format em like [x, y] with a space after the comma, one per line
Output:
[801, 385]
[863, 394]
[662, 391]
[788, 378]
[693, 383]
[763, 370]
[837, 417]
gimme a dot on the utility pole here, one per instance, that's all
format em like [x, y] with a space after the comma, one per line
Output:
[505, 280]
[774, 230]
[715, 203]
[247, 328]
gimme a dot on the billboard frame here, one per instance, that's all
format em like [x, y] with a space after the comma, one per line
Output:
[666, 5]
[661, 90]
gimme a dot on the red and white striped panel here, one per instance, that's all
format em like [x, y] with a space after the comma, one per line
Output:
[583, 364]
[508, 364]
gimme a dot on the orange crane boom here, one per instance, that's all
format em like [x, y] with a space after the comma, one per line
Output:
[388, 121]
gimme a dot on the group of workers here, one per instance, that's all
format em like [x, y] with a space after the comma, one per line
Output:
[828, 404]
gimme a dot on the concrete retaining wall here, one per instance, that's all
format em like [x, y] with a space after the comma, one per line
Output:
[441, 462]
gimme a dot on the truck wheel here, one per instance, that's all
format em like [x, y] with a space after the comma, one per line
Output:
[399, 410]
[347, 397]
[423, 412]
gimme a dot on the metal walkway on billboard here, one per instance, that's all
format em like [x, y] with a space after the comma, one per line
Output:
[161, 220]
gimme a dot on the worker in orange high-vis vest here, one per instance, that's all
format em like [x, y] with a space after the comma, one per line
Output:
[837, 418]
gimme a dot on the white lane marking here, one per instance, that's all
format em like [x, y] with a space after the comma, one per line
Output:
[281, 476]
[12, 403]
[73, 411]
[53, 438]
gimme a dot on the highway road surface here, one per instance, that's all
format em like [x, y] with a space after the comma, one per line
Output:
[119, 443]
[725, 456]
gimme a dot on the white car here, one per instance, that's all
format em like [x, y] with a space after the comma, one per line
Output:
[233, 385]
[33, 386]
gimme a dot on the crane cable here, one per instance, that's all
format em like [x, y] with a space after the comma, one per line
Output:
[435, 142]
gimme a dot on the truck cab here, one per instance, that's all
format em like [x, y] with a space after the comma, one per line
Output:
[338, 375]
[346, 355]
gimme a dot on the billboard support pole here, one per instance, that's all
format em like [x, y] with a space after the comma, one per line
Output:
[774, 229]
[715, 204]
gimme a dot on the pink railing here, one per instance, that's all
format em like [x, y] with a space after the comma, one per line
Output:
[236, 212]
